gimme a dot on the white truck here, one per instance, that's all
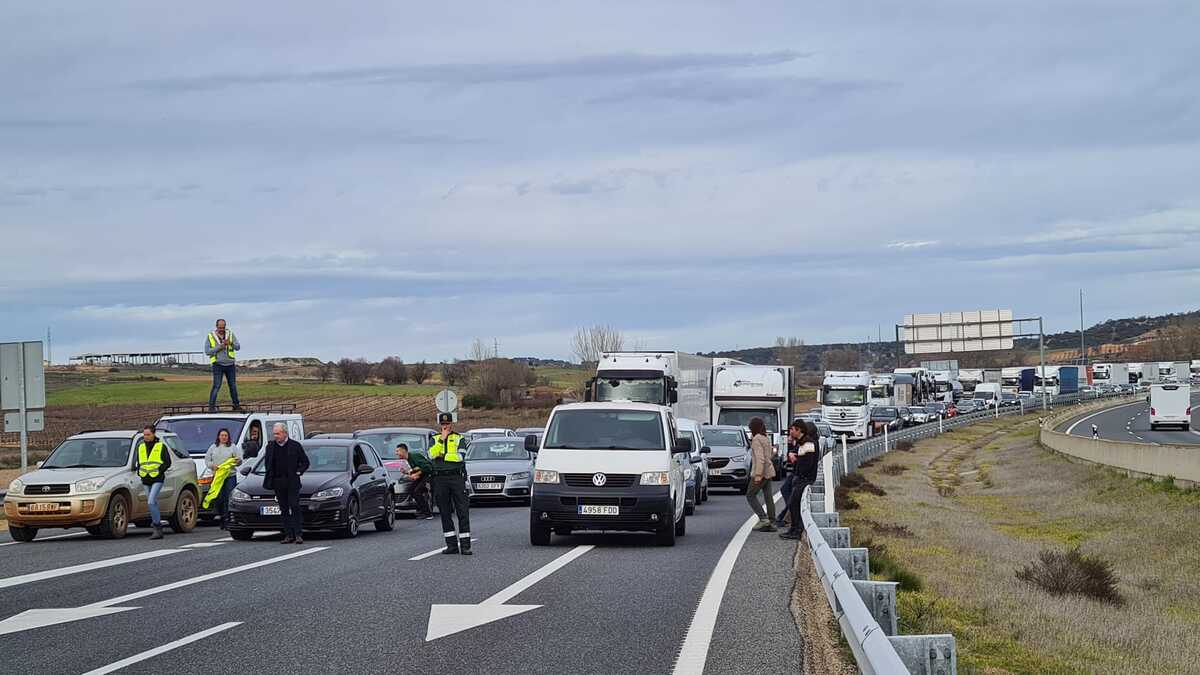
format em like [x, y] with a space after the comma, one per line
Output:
[679, 380]
[969, 377]
[988, 392]
[1010, 380]
[1046, 381]
[742, 392]
[1171, 404]
[883, 391]
[845, 403]
[946, 387]
[1113, 374]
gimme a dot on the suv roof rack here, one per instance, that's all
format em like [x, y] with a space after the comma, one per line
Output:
[201, 408]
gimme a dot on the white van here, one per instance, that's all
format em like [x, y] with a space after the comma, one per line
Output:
[989, 393]
[1171, 404]
[609, 466]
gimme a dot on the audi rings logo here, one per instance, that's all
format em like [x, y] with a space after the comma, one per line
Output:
[599, 479]
[45, 488]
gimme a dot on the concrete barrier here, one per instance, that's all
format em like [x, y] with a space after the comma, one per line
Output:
[1180, 462]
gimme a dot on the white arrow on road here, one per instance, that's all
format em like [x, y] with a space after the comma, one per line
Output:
[450, 619]
[41, 618]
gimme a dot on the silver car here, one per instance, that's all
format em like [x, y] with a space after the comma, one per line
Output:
[499, 469]
[729, 456]
[89, 481]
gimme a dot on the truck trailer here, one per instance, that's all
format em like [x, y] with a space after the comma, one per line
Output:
[679, 380]
[743, 392]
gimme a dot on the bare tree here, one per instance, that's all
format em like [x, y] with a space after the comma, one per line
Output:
[392, 370]
[420, 372]
[841, 359]
[454, 373]
[790, 351]
[326, 370]
[590, 342]
[354, 371]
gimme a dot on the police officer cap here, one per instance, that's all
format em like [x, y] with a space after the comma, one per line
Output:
[445, 418]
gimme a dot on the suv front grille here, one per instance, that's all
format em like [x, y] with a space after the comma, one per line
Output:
[612, 480]
[717, 462]
[52, 489]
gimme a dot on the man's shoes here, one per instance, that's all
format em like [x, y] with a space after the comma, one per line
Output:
[766, 527]
[450, 550]
[299, 540]
[157, 532]
[465, 546]
[427, 516]
[288, 540]
[791, 535]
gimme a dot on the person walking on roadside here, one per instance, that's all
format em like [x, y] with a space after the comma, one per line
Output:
[285, 461]
[449, 486]
[253, 443]
[804, 441]
[222, 346]
[785, 488]
[420, 472]
[1095, 433]
[762, 471]
[151, 464]
[222, 459]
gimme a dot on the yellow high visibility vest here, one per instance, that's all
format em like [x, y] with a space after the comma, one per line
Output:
[224, 469]
[150, 461]
[448, 450]
[212, 344]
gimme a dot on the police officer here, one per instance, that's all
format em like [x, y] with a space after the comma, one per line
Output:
[449, 488]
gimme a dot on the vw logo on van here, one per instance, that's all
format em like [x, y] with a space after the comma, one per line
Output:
[45, 488]
[599, 479]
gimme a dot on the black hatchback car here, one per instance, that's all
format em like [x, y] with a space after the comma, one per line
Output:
[345, 486]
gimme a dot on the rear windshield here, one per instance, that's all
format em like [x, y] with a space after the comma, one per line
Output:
[725, 438]
[89, 453]
[606, 430]
[198, 434]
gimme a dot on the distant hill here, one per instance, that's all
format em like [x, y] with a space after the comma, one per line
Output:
[1116, 331]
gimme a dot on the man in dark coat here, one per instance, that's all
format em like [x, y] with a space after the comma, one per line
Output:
[285, 461]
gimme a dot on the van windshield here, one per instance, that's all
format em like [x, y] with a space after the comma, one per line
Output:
[605, 430]
[197, 434]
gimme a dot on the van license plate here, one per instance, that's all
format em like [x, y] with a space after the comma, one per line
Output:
[268, 510]
[44, 507]
[593, 510]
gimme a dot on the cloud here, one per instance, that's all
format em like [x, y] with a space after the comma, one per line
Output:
[906, 245]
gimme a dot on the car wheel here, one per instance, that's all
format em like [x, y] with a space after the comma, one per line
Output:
[350, 529]
[186, 512]
[116, 518]
[388, 522]
[666, 535]
[681, 525]
[22, 533]
[539, 535]
[242, 535]
[689, 509]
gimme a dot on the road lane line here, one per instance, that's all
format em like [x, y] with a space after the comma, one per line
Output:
[86, 567]
[204, 577]
[203, 544]
[57, 536]
[539, 574]
[693, 655]
[151, 653]
[433, 552]
[1099, 412]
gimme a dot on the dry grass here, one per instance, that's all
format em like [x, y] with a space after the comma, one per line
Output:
[976, 506]
[1073, 573]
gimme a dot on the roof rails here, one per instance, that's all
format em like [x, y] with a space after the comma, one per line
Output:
[201, 408]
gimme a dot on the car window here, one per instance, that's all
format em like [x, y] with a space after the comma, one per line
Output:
[174, 445]
[372, 459]
[359, 456]
[724, 437]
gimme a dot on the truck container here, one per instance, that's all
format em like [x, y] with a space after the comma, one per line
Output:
[922, 383]
[992, 375]
[743, 392]
[1068, 379]
[904, 390]
[677, 379]
[1028, 379]
[969, 377]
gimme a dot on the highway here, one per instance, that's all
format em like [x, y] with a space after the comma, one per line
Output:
[201, 603]
[1131, 422]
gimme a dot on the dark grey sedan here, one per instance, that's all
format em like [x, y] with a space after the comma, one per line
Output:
[346, 485]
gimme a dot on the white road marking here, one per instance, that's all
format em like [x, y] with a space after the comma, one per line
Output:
[204, 544]
[693, 655]
[85, 567]
[1081, 420]
[257, 534]
[205, 577]
[57, 536]
[433, 552]
[151, 653]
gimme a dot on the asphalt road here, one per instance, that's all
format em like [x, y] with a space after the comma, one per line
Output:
[618, 604]
[1131, 422]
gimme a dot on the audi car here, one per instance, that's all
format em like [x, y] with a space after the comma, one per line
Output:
[345, 486]
[499, 470]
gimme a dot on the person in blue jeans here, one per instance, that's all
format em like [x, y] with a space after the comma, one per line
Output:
[152, 459]
[222, 346]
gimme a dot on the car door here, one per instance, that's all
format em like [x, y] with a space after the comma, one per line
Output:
[140, 506]
[368, 484]
[678, 486]
[177, 476]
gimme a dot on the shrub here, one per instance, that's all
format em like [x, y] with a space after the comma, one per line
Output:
[420, 372]
[905, 446]
[353, 371]
[843, 500]
[1073, 573]
[893, 469]
[885, 567]
[392, 370]
[477, 401]
[856, 481]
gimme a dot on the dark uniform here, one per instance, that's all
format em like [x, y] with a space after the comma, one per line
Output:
[449, 488]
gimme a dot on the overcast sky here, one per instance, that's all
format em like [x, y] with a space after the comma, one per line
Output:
[400, 178]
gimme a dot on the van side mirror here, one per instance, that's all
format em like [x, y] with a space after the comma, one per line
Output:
[531, 444]
[705, 450]
[683, 445]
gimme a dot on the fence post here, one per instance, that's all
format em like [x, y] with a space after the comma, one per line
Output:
[885, 438]
[830, 486]
[845, 464]
[941, 429]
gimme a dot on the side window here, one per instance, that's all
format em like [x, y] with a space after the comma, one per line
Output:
[173, 443]
[372, 456]
[359, 456]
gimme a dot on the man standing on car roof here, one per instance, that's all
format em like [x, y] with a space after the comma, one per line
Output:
[222, 346]
[449, 485]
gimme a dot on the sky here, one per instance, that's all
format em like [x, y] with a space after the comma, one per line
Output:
[402, 178]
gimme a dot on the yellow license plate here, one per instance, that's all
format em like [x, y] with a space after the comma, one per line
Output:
[44, 507]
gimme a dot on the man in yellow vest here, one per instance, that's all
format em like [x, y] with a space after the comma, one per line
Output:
[222, 346]
[152, 461]
[449, 485]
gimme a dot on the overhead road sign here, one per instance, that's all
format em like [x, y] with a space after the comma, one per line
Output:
[948, 332]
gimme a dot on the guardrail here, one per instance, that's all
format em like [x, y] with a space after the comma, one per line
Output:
[865, 609]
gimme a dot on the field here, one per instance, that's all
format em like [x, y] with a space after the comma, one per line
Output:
[954, 519]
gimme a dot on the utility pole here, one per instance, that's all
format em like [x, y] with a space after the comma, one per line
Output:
[49, 354]
[1082, 342]
[495, 348]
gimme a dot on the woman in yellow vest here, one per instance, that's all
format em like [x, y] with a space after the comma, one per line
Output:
[151, 464]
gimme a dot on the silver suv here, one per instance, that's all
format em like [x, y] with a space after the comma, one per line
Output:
[89, 481]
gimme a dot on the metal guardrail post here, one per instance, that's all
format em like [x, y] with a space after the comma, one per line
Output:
[927, 654]
[880, 599]
[836, 537]
[856, 562]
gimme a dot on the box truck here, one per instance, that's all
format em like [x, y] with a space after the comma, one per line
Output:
[969, 377]
[845, 403]
[1010, 379]
[1171, 404]
[677, 379]
[1069, 379]
[1113, 374]
[743, 392]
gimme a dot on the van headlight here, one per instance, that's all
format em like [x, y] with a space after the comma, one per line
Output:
[656, 478]
[239, 496]
[16, 487]
[89, 484]
[329, 493]
[544, 476]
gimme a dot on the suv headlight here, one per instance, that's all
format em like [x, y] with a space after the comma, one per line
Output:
[16, 487]
[89, 484]
[239, 496]
[519, 476]
[656, 478]
[739, 458]
[329, 493]
[544, 476]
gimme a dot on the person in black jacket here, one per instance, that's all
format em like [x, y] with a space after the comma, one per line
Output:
[285, 461]
[805, 441]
